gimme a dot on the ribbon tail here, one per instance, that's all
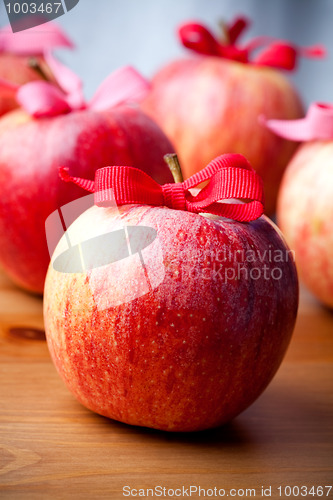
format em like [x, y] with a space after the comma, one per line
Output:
[123, 85]
[283, 55]
[129, 185]
[316, 51]
[33, 41]
[236, 28]
[317, 125]
[86, 184]
[240, 212]
[294, 130]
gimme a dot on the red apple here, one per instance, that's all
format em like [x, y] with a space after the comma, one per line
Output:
[305, 214]
[200, 345]
[31, 151]
[210, 104]
[21, 57]
[305, 202]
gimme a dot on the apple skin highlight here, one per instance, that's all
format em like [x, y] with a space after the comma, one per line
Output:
[196, 350]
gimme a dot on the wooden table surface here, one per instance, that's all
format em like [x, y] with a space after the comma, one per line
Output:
[52, 447]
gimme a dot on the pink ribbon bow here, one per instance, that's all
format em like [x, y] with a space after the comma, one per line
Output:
[317, 125]
[277, 54]
[44, 99]
[34, 41]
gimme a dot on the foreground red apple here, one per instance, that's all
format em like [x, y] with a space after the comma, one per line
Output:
[210, 104]
[305, 203]
[208, 334]
[21, 57]
[32, 149]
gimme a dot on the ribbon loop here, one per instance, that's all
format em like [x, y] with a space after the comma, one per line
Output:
[197, 37]
[123, 85]
[278, 55]
[230, 177]
[236, 28]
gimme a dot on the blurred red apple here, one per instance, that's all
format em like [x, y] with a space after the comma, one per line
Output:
[21, 57]
[305, 202]
[200, 345]
[84, 137]
[210, 104]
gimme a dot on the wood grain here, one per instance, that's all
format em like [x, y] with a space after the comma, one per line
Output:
[53, 448]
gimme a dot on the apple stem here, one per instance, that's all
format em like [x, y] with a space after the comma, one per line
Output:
[174, 166]
[224, 33]
[35, 65]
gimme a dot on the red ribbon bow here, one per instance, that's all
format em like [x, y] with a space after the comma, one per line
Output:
[317, 125]
[278, 53]
[230, 176]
